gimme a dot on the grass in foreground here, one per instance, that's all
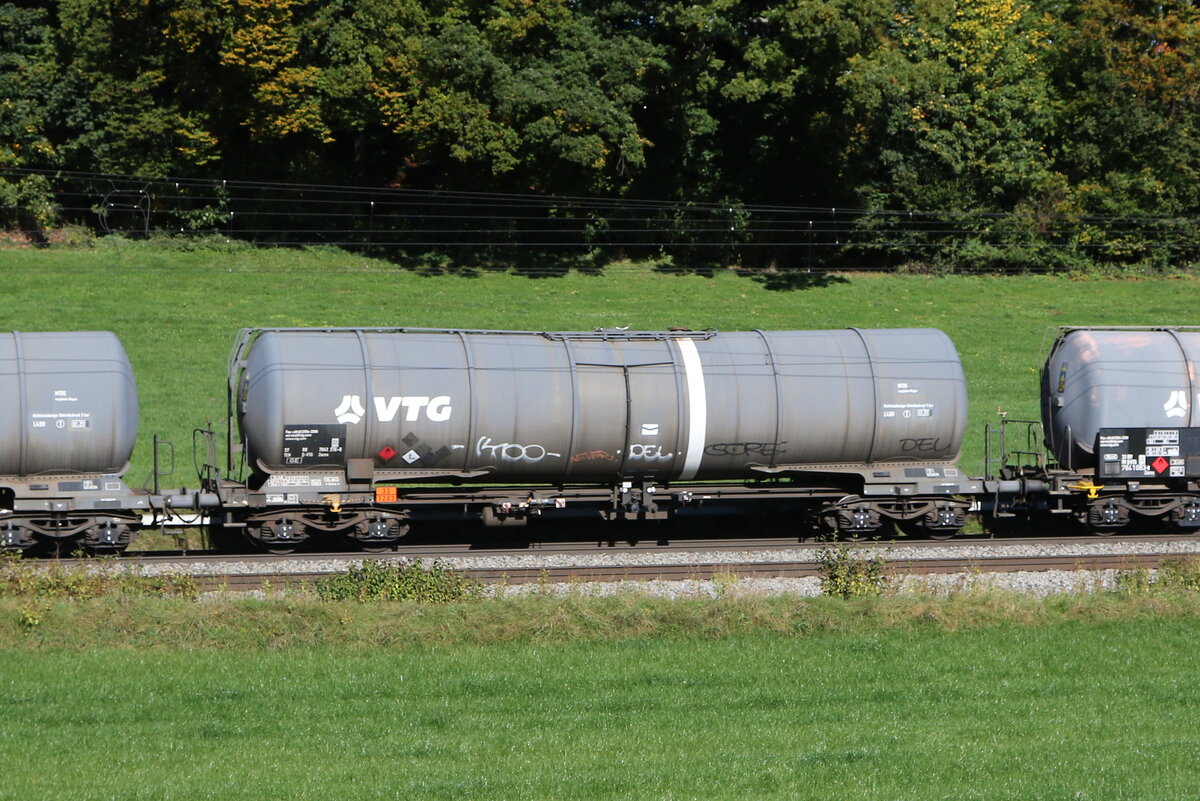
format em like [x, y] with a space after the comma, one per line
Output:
[178, 311]
[1053, 711]
[974, 694]
[299, 620]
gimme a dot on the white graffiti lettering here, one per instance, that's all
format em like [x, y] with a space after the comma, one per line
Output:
[512, 451]
[649, 453]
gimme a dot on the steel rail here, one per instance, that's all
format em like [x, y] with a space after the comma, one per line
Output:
[644, 545]
[701, 572]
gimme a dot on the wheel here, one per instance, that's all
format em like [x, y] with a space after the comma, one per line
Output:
[379, 535]
[17, 538]
[919, 529]
[853, 523]
[1186, 519]
[1105, 518]
[280, 536]
[108, 536]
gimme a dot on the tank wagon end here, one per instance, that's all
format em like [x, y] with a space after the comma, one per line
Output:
[65, 441]
[1119, 409]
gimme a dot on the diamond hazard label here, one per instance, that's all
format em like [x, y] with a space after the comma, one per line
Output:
[387, 453]
[1160, 465]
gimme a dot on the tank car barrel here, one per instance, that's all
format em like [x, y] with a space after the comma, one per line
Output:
[71, 403]
[1102, 378]
[595, 407]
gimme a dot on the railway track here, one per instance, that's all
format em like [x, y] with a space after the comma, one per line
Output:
[243, 582]
[674, 545]
[696, 560]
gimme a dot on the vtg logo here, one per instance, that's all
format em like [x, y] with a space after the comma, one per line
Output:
[1177, 404]
[437, 409]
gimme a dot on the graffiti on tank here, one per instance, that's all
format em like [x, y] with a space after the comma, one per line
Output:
[767, 449]
[923, 445]
[649, 453]
[594, 456]
[512, 451]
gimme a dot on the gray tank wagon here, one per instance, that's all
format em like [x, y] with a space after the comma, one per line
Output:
[67, 430]
[1119, 413]
[340, 427]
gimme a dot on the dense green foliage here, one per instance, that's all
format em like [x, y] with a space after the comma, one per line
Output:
[846, 574]
[1076, 122]
[21, 579]
[376, 580]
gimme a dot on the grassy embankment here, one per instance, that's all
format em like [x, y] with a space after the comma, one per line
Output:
[966, 697]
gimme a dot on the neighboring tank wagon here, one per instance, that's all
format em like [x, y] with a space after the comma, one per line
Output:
[1119, 409]
[67, 431]
[1098, 378]
[336, 412]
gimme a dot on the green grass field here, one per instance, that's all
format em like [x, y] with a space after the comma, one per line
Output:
[177, 312]
[1066, 711]
[966, 698]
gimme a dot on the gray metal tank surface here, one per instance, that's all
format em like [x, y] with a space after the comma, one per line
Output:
[1100, 378]
[71, 404]
[588, 407]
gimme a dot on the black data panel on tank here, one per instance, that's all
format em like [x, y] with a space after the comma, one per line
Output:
[315, 444]
[1155, 453]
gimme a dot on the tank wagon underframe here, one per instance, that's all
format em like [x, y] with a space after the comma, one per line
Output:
[1102, 508]
[100, 513]
[289, 509]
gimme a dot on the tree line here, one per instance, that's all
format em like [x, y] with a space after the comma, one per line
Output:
[1053, 134]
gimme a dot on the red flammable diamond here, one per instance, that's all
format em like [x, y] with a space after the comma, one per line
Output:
[388, 453]
[1160, 465]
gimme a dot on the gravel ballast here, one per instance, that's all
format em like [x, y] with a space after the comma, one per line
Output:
[536, 560]
[1038, 583]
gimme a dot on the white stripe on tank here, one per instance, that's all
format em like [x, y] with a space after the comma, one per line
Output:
[693, 373]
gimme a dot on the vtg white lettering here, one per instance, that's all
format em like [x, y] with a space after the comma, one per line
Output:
[437, 409]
